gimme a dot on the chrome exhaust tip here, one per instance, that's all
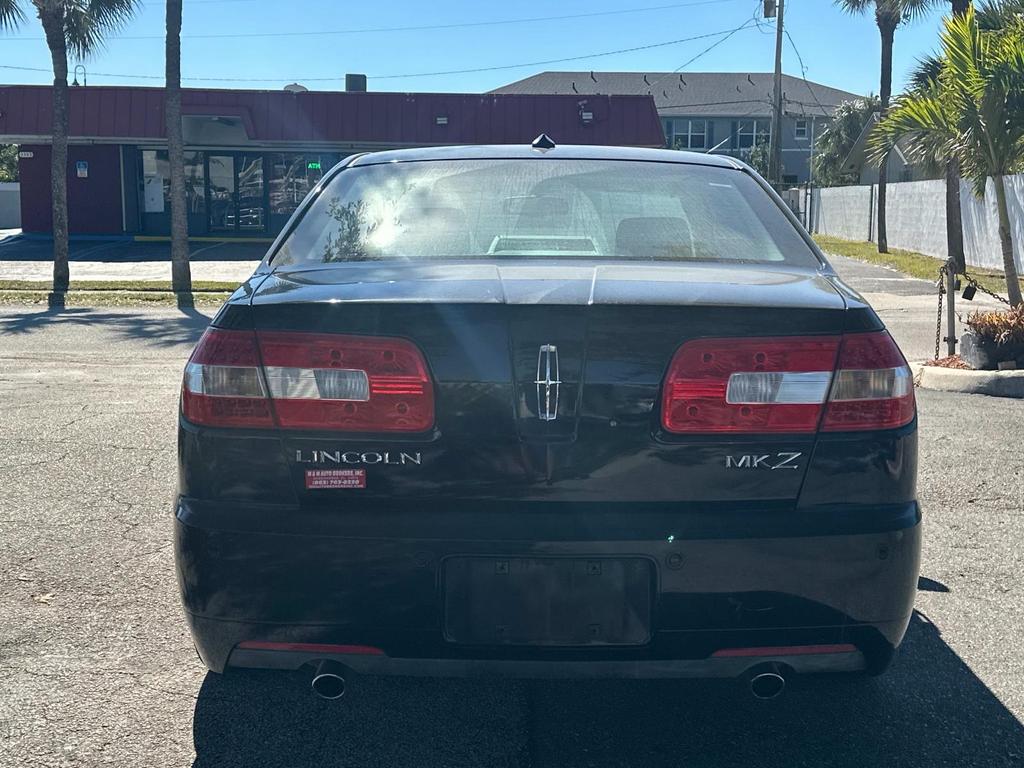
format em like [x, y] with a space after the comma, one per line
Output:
[767, 683]
[329, 680]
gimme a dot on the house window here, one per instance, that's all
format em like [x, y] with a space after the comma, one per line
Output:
[687, 134]
[801, 129]
[752, 132]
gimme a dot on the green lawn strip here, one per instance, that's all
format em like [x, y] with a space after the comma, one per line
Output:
[908, 262]
[111, 298]
[198, 286]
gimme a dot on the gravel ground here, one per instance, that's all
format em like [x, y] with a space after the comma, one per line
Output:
[96, 666]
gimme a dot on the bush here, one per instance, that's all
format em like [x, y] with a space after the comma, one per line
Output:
[1001, 328]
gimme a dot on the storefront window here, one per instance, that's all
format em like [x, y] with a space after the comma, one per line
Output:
[156, 186]
[292, 176]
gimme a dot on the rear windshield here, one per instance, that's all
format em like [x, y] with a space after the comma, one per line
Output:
[543, 208]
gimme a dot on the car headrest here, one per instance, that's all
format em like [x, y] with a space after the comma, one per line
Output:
[651, 237]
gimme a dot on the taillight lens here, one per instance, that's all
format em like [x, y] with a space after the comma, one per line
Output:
[748, 385]
[308, 381]
[784, 384]
[223, 385]
[873, 387]
[349, 383]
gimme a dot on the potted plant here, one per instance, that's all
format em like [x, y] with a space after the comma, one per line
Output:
[994, 338]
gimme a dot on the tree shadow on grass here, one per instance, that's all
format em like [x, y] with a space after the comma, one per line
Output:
[161, 330]
[930, 709]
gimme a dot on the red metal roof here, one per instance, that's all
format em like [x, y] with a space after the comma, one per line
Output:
[392, 119]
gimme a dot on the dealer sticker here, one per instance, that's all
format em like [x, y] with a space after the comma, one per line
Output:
[335, 478]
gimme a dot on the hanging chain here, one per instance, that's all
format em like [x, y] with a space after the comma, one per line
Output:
[938, 315]
[983, 289]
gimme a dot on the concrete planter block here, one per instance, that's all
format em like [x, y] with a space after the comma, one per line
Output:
[994, 383]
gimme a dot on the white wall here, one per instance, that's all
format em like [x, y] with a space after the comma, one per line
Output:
[843, 212]
[916, 218]
[10, 205]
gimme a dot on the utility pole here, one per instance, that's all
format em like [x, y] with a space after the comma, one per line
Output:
[775, 159]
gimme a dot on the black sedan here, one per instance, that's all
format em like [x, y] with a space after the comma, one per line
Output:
[547, 411]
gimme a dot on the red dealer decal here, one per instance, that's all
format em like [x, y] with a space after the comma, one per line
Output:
[335, 478]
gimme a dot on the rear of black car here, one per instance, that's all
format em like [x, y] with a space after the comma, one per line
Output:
[550, 452]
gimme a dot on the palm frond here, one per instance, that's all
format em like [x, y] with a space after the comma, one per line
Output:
[86, 22]
[855, 6]
[911, 10]
[996, 15]
[925, 74]
[11, 15]
[920, 123]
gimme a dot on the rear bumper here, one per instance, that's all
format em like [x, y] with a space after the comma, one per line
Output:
[262, 579]
[828, 659]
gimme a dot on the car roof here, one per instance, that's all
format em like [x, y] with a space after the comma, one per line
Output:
[527, 152]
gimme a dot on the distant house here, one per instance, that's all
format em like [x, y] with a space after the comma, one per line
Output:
[899, 166]
[721, 112]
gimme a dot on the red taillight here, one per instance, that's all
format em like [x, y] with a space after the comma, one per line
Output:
[308, 381]
[748, 385]
[873, 387]
[350, 383]
[783, 384]
[223, 385]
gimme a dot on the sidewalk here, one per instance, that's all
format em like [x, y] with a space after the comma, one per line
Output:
[907, 305]
[24, 258]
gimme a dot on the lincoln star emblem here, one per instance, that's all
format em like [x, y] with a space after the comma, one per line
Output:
[547, 382]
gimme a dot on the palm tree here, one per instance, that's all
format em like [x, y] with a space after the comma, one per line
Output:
[835, 141]
[995, 15]
[77, 26]
[181, 272]
[973, 112]
[925, 80]
[954, 216]
[889, 14]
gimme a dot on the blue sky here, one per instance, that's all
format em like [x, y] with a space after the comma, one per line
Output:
[838, 50]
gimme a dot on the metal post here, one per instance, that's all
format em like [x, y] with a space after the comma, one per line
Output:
[810, 180]
[871, 213]
[950, 310]
[775, 161]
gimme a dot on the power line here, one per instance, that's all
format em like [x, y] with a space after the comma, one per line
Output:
[406, 75]
[710, 48]
[415, 28]
[803, 74]
[559, 61]
[753, 19]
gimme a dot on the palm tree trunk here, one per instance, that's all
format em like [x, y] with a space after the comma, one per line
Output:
[954, 214]
[181, 272]
[1006, 243]
[887, 23]
[954, 220]
[53, 25]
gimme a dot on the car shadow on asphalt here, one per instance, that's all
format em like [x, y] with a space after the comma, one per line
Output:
[163, 330]
[929, 709]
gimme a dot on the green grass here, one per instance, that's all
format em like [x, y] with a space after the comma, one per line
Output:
[112, 298]
[198, 286]
[115, 293]
[908, 262]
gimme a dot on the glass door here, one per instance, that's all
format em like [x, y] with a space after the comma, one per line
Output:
[221, 193]
[252, 207]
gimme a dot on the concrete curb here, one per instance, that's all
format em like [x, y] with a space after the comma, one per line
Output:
[994, 383]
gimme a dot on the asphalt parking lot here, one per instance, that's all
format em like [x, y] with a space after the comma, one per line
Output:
[96, 666]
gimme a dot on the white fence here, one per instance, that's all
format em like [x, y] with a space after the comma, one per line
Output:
[10, 205]
[916, 218]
